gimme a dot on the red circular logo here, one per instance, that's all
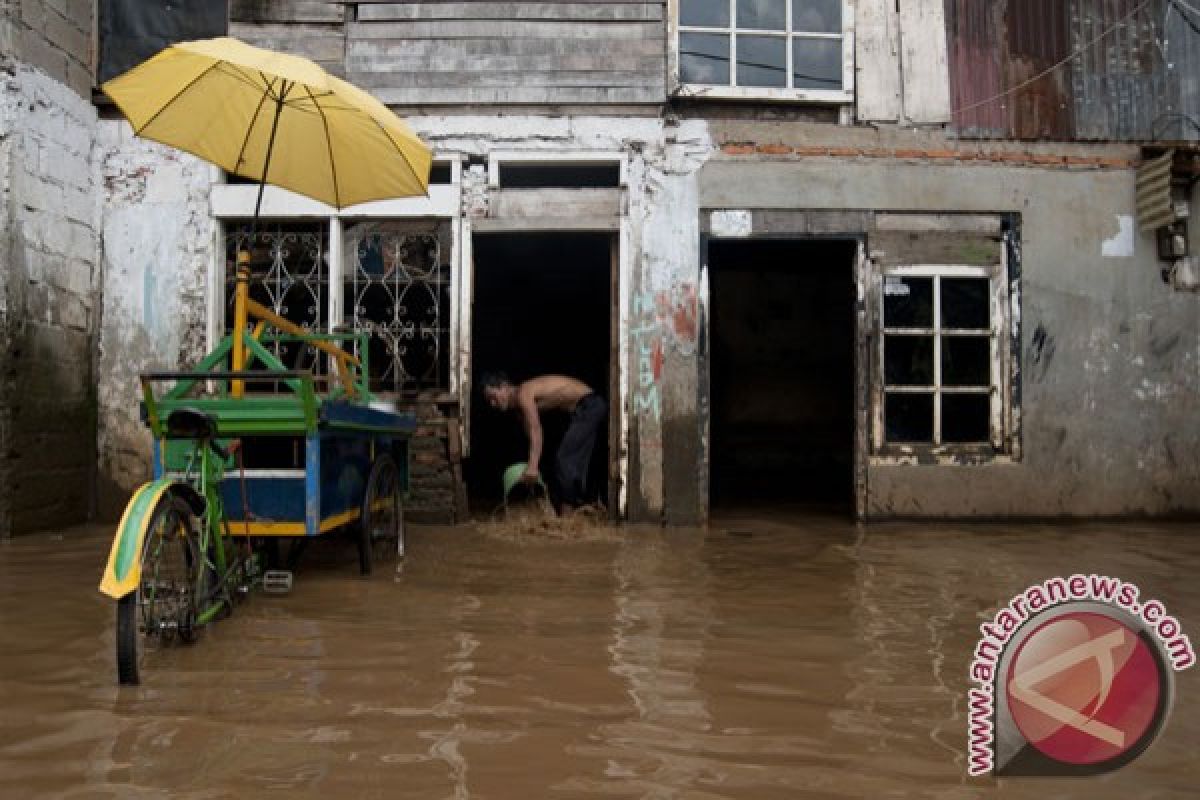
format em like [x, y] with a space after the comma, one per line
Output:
[1084, 688]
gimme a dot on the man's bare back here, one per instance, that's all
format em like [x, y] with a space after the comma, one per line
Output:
[553, 392]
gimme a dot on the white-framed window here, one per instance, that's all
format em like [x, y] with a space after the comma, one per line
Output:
[799, 50]
[942, 372]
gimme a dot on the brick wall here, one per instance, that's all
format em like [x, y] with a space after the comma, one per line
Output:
[53, 35]
[437, 491]
[50, 301]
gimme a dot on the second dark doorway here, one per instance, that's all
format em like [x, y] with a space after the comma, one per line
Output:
[782, 372]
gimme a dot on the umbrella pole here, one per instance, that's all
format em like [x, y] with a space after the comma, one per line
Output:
[242, 292]
[262, 182]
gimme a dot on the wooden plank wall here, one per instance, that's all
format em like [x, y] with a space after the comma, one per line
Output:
[466, 53]
[901, 61]
[309, 28]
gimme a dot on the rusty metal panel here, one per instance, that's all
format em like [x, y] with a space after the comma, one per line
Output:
[998, 45]
[975, 67]
[1097, 70]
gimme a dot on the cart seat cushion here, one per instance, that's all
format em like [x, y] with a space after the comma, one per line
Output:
[191, 423]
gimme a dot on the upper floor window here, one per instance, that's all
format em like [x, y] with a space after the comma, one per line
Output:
[765, 49]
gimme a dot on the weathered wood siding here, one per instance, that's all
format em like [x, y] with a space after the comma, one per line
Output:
[901, 62]
[309, 28]
[470, 53]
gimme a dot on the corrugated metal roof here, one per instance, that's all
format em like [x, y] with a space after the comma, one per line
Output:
[1111, 70]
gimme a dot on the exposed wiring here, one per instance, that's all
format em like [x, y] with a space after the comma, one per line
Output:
[1183, 7]
[1157, 128]
[1078, 52]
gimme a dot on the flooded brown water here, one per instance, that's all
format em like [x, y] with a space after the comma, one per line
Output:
[776, 658]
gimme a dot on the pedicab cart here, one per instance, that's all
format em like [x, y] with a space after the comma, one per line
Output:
[237, 471]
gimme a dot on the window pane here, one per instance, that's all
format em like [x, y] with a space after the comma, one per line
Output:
[907, 302]
[816, 63]
[966, 361]
[966, 303]
[966, 418]
[908, 360]
[704, 13]
[704, 58]
[767, 15]
[817, 16]
[762, 61]
[908, 418]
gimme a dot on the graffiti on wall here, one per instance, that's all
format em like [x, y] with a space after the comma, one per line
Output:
[662, 320]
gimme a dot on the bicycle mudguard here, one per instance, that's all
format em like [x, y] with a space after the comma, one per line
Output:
[124, 569]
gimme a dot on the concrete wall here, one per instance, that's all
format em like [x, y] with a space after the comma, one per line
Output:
[1101, 333]
[49, 222]
[158, 237]
[1110, 355]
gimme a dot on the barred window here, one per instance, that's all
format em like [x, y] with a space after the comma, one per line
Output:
[396, 287]
[289, 274]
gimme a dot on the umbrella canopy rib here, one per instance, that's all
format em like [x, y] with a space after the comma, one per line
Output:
[249, 131]
[337, 195]
[199, 76]
[403, 158]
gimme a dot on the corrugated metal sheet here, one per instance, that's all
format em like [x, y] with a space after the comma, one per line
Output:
[1182, 48]
[1114, 70]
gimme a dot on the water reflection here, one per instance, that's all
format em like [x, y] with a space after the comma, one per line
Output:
[768, 657]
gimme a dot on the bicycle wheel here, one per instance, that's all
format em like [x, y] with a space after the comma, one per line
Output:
[163, 608]
[381, 526]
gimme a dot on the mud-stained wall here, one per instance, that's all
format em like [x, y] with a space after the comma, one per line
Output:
[158, 238]
[48, 299]
[159, 235]
[1109, 384]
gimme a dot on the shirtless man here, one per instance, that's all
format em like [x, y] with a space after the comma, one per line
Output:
[588, 412]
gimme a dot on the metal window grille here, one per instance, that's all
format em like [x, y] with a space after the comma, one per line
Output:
[396, 287]
[289, 275]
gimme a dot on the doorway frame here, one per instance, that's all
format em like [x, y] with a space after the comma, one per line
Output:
[620, 269]
[860, 439]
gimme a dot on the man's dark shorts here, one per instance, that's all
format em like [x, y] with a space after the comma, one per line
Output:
[575, 451]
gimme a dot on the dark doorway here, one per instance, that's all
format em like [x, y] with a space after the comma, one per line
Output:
[542, 305]
[782, 372]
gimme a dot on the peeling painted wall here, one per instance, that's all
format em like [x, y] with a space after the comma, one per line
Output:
[158, 238]
[156, 213]
[1098, 323]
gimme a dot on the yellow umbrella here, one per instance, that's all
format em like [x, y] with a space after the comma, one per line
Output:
[277, 119]
[274, 118]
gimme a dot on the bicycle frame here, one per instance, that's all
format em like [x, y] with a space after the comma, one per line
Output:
[212, 540]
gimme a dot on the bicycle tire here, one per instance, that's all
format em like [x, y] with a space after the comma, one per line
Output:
[163, 605]
[381, 523]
